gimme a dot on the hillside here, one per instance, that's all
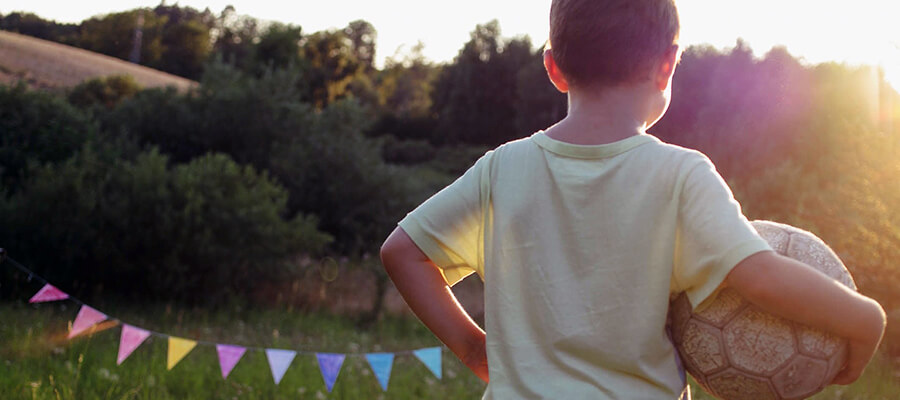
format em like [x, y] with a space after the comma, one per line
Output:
[45, 64]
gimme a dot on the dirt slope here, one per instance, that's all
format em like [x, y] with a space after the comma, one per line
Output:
[45, 64]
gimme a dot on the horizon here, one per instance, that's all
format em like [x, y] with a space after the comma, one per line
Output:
[812, 32]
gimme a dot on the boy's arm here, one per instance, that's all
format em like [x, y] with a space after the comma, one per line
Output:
[795, 291]
[426, 292]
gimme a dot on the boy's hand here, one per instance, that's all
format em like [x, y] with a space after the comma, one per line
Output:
[426, 292]
[793, 290]
[861, 351]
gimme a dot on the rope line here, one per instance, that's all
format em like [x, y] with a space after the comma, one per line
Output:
[4, 257]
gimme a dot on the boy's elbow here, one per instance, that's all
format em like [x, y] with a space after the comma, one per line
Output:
[393, 248]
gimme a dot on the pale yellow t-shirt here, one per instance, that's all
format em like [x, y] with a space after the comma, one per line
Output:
[579, 248]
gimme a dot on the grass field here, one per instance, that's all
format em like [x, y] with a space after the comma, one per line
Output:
[37, 362]
[44, 64]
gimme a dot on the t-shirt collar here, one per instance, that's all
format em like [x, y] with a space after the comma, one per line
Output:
[590, 151]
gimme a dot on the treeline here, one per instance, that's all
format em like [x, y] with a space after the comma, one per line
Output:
[297, 144]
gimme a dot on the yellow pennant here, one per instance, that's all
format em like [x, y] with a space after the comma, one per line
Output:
[178, 348]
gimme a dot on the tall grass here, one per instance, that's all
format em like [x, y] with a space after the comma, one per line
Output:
[37, 362]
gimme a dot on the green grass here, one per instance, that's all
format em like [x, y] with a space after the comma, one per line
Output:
[37, 362]
[879, 382]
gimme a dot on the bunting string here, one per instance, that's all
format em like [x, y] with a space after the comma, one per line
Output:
[229, 355]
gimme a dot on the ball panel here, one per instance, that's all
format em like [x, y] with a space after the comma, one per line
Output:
[703, 347]
[759, 342]
[812, 251]
[734, 384]
[802, 377]
[765, 357]
[774, 233]
[728, 303]
[679, 315]
[816, 343]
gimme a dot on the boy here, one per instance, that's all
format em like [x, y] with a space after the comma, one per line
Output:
[582, 231]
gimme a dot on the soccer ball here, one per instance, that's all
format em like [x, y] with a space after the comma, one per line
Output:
[737, 351]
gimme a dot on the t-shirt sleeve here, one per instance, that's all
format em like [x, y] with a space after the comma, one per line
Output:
[448, 227]
[713, 235]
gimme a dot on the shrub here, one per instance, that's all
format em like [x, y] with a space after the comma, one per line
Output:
[36, 128]
[406, 152]
[197, 232]
[106, 91]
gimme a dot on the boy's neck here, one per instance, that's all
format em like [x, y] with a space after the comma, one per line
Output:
[605, 116]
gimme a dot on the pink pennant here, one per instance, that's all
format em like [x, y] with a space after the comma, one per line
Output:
[229, 357]
[48, 293]
[131, 338]
[87, 317]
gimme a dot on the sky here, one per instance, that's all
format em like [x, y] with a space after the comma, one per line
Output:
[853, 32]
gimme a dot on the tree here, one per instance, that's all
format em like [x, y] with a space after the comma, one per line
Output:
[329, 65]
[33, 25]
[185, 40]
[279, 47]
[235, 37]
[476, 95]
[538, 103]
[363, 35]
[112, 35]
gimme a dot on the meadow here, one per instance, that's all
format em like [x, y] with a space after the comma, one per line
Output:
[38, 362]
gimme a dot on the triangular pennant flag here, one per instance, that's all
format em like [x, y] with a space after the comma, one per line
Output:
[86, 318]
[431, 357]
[229, 357]
[131, 338]
[279, 361]
[381, 364]
[178, 348]
[48, 293]
[330, 366]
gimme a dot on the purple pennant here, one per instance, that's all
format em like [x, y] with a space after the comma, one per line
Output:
[330, 366]
[229, 357]
[131, 338]
[431, 357]
[381, 364]
[279, 361]
[48, 293]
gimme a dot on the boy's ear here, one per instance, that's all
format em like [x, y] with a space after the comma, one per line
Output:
[556, 76]
[663, 75]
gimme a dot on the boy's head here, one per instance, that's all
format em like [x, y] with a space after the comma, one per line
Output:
[600, 43]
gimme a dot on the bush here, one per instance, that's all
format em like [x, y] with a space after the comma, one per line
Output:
[336, 173]
[106, 91]
[36, 128]
[406, 152]
[198, 232]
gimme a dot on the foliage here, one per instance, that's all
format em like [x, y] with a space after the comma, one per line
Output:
[279, 46]
[336, 173]
[800, 145]
[329, 65]
[113, 34]
[476, 96]
[406, 151]
[195, 232]
[33, 25]
[36, 128]
[105, 92]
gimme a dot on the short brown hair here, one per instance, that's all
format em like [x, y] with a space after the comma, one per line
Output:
[608, 42]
